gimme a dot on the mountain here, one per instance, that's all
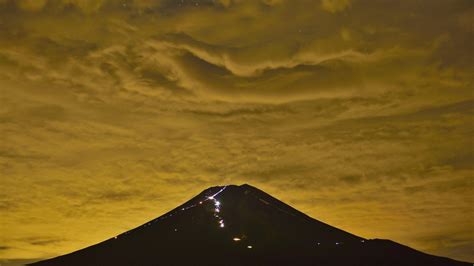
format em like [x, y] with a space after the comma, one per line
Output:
[242, 225]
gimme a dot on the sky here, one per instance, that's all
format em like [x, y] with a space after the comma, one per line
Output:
[356, 112]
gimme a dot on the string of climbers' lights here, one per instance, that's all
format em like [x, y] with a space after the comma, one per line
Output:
[217, 205]
[216, 212]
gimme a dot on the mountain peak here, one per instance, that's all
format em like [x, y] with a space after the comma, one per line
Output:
[229, 187]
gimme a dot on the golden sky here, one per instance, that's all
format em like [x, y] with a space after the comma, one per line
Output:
[356, 112]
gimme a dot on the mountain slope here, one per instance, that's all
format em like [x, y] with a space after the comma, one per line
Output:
[241, 225]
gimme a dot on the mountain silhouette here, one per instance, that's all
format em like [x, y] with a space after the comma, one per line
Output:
[242, 225]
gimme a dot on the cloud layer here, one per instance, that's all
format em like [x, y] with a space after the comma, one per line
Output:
[358, 112]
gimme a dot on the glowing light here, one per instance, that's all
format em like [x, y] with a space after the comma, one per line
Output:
[176, 230]
[200, 202]
[337, 243]
[249, 247]
[217, 204]
[236, 239]
[218, 192]
[363, 241]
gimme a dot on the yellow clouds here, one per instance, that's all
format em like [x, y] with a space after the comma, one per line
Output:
[361, 108]
[32, 5]
[87, 6]
[335, 5]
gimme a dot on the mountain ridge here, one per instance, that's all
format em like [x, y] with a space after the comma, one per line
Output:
[242, 225]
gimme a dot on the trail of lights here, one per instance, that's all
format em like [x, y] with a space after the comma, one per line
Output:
[216, 212]
[216, 209]
[217, 193]
[217, 205]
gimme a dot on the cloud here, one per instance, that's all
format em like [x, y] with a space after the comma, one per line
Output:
[334, 6]
[86, 6]
[349, 109]
[18, 262]
[241, 62]
[32, 5]
[44, 241]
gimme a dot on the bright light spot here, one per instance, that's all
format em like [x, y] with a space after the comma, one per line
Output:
[319, 243]
[236, 239]
[249, 246]
[200, 202]
[362, 241]
[176, 230]
[337, 243]
[217, 204]
[115, 237]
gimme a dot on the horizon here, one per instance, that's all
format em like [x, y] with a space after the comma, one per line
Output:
[356, 112]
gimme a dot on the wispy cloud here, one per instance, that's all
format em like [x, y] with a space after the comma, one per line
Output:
[359, 109]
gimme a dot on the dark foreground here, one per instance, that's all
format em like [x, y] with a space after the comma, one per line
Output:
[241, 225]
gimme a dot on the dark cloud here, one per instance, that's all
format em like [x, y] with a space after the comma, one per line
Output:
[45, 242]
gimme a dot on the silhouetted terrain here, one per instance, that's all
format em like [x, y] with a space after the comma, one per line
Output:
[241, 225]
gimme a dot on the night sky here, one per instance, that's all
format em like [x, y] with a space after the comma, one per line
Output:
[356, 112]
